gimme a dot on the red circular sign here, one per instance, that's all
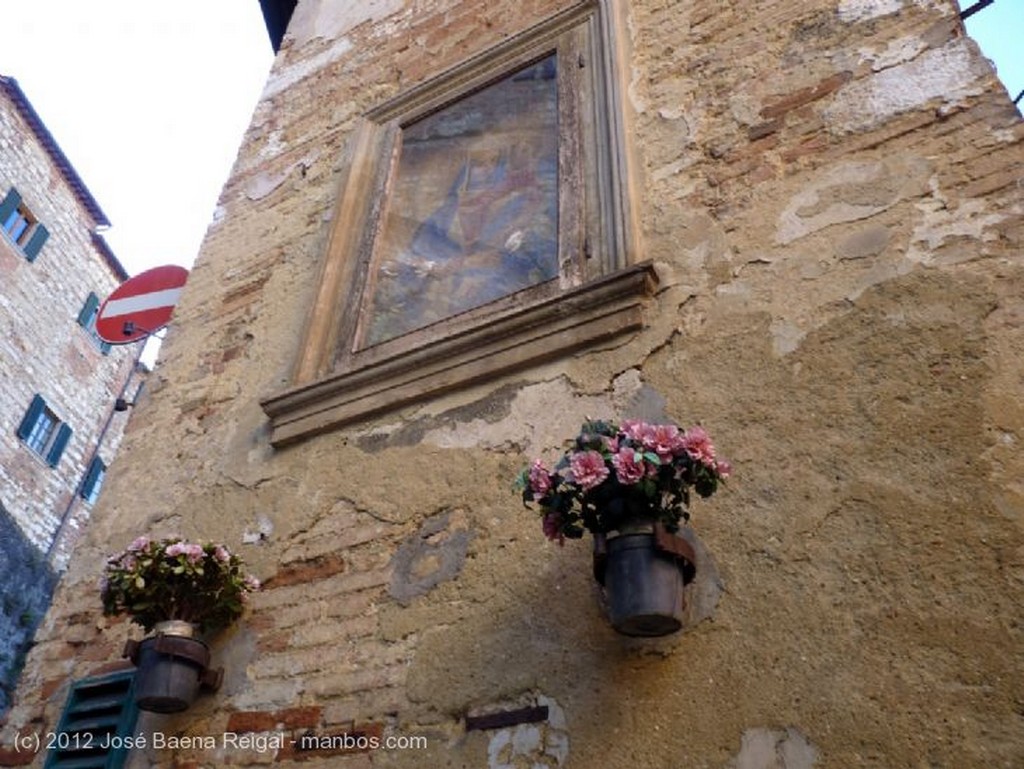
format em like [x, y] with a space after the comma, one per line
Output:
[141, 305]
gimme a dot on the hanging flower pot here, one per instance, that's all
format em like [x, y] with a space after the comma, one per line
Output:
[172, 667]
[629, 486]
[643, 572]
[178, 591]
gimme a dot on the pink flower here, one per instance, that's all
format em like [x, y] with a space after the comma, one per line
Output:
[663, 440]
[588, 469]
[175, 549]
[194, 553]
[697, 444]
[540, 478]
[634, 429]
[723, 468]
[221, 554]
[629, 466]
[251, 583]
[139, 543]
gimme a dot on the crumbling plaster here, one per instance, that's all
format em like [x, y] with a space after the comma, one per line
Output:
[839, 303]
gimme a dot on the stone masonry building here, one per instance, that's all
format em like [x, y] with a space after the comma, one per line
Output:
[454, 230]
[58, 429]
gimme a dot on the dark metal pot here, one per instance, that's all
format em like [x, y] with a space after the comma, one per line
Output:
[171, 666]
[644, 586]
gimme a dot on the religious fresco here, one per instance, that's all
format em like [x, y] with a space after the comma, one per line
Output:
[473, 212]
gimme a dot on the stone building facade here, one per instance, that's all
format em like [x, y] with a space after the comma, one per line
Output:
[58, 428]
[798, 224]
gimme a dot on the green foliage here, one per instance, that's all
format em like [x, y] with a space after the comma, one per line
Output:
[153, 581]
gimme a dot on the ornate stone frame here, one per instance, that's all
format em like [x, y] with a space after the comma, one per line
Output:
[599, 294]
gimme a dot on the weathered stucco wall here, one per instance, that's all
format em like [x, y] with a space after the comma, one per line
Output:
[831, 194]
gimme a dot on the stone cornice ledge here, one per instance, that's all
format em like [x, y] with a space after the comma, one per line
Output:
[519, 337]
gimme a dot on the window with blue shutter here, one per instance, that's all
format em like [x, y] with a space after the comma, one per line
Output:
[35, 243]
[20, 225]
[87, 320]
[60, 441]
[29, 420]
[93, 480]
[96, 726]
[43, 432]
[8, 206]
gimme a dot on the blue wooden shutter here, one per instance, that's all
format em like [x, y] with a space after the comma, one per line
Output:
[8, 205]
[35, 408]
[92, 303]
[91, 476]
[97, 709]
[35, 243]
[63, 436]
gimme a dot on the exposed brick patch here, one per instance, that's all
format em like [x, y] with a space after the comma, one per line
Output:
[809, 146]
[11, 757]
[274, 642]
[251, 721]
[806, 95]
[764, 129]
[361, 738]
[243, 295]
[306, 571]
[300, 718]
[242, 721]
[47, 689]
[260, 621]
[23, 754]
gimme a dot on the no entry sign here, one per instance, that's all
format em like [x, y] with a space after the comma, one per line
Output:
[141, 305]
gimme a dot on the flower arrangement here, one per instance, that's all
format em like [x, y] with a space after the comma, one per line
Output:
[611, 475]
[153, 581]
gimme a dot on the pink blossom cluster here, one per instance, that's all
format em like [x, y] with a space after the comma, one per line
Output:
[193, 552]
[668, 442]
[154, 580]
[649, 468]
[635, 453]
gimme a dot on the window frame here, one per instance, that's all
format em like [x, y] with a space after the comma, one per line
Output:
[87, 319]
[92, 483]
[43, 432]
[30, 238]
[601, 288]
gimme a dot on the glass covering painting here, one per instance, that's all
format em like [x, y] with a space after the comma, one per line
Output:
[473, 214]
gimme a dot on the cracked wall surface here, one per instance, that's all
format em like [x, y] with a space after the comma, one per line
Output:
[831, 195]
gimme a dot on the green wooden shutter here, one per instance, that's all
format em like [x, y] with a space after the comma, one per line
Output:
[9, 204]
[35, 408]
[63, 436]
[97, 709]
[92, 303]
[35, 243]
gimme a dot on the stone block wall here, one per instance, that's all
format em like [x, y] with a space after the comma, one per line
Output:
[831, 196]
[43, 348]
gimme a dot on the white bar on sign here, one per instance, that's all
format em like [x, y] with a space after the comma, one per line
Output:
[166, 298]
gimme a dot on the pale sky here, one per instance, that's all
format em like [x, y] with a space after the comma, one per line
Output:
[149, 101]
[999, 30]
